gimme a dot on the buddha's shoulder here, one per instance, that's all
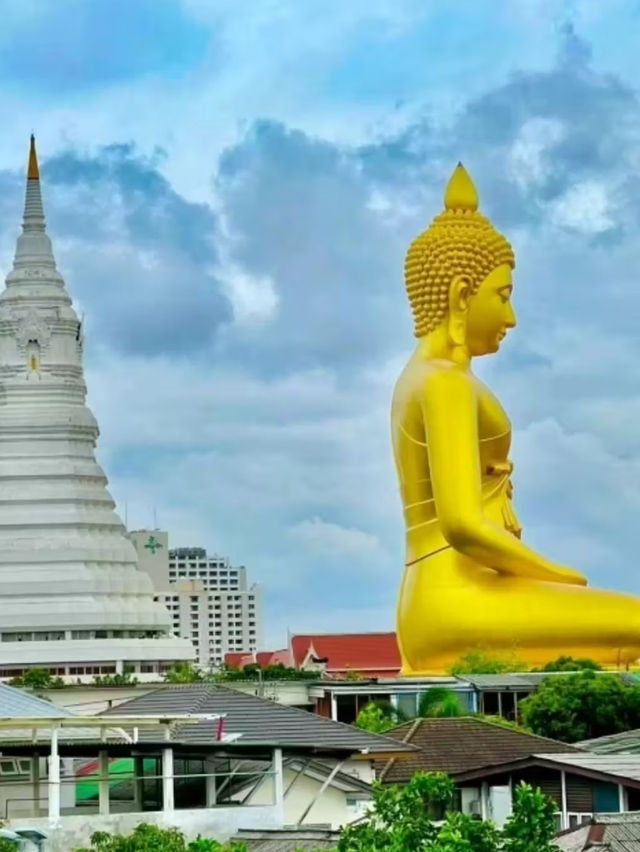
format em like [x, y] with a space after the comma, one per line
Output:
[419, 375]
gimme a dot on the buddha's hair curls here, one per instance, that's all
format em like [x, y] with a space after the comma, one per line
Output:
[458, 242]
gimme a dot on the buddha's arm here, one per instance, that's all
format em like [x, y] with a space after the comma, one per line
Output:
[450, 414]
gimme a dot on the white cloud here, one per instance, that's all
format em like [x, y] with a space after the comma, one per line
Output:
[586, 207]
[325, 538]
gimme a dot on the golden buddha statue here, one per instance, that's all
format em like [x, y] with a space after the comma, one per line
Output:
[469, 580]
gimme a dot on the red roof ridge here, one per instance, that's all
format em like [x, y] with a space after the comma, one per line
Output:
[346, 633]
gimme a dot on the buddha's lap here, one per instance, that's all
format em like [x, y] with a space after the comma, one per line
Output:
[466, 598]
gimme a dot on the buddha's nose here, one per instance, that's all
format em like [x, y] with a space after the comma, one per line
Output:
[510, 319]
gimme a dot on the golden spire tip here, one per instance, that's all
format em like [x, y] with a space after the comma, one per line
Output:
[33, 172]
[460, 193]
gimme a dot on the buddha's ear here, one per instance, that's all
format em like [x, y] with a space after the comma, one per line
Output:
[459, 295]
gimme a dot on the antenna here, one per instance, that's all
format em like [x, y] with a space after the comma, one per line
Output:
[126, 515]
[155, 518]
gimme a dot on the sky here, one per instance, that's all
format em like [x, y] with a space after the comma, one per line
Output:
[231, 186]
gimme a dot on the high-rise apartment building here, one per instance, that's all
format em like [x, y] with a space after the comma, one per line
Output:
[209, 600]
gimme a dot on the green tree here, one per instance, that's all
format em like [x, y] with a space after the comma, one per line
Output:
[117, 679]
[440, 702]
[7, 845]
[532, 824]
[479, 661]
[402, 819]
[252, 671]
[570, 664]
[582, 706]
[151, 838]
[183, 672]
[37, 679]
[378, 717]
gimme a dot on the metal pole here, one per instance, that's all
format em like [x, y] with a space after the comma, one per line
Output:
[54, 778]
[103, 783]
[167, 779]
[563, 787]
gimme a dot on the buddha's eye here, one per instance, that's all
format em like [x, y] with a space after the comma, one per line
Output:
[505, 295]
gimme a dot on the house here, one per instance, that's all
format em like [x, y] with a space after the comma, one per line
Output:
[240, 659]
[338, 655]
[200, 757]
[604, 833]
[342, 700]
[487, 759]
[501, 694]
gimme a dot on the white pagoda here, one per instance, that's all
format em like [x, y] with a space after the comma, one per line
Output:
[72, 599]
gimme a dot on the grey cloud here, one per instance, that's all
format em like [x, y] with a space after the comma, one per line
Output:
[133, 251]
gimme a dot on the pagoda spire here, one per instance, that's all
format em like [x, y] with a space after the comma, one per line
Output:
[33, 246]
[33, 211]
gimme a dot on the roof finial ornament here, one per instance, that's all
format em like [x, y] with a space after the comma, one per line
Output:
[460, 193]
[33, 172]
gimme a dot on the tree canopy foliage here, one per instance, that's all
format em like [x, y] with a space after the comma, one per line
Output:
[152, 838]
[185, 672]
[582, 706]
[570, 664]
[479, 661]
[409, 818]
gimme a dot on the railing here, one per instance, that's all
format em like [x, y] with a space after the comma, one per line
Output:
[232, 789]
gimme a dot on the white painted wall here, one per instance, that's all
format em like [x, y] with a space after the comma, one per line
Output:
[331, 809]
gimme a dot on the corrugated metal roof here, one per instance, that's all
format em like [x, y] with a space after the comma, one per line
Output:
[508, 680]
[621, 765]
[260, 722]
[627, 741]
[17, 703]
[607, 832]
[288, 841]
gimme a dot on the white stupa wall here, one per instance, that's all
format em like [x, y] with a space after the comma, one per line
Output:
[65, 561]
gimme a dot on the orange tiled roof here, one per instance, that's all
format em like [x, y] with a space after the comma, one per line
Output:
[370, 653]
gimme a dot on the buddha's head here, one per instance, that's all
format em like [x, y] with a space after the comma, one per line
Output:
[458, 273]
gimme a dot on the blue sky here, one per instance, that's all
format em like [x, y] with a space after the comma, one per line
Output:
[231, 186]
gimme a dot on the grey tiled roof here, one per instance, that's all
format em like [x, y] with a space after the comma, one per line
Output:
[17, 703]
[288, 841]
[259, 722]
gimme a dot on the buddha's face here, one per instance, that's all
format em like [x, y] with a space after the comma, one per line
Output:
[490, 313]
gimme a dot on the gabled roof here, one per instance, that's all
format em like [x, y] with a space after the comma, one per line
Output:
[239, 659]
[456, 745]
[17, 703]
[258, 721]
[607, 833]
[627, 741]
[360, 652]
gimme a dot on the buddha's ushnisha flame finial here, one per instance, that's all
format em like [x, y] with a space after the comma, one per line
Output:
[460, 193]
[33, 172]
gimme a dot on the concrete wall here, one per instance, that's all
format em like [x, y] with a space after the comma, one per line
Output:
[219, 823]
[331, 809]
